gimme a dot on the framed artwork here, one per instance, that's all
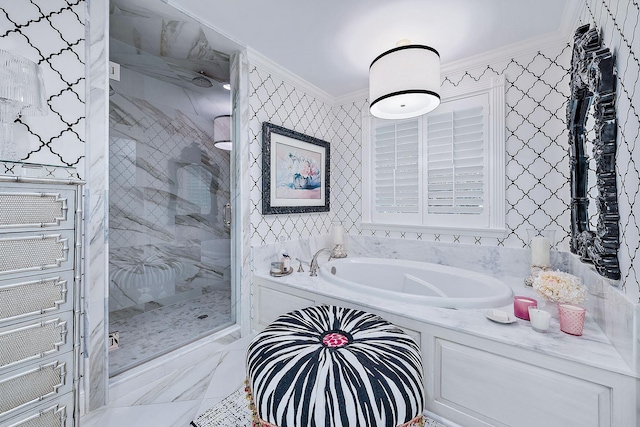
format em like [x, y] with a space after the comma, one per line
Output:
[295, 172]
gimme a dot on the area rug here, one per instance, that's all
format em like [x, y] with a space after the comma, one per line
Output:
[232, 411]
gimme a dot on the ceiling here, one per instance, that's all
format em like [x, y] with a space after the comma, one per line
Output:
[331, 43]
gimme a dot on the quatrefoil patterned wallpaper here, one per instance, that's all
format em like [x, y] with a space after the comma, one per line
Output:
[52, 34]
[537, 168]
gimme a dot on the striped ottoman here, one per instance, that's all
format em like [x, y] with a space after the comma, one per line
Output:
[333, 366]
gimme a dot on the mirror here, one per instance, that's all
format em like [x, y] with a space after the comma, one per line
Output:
[593, 97]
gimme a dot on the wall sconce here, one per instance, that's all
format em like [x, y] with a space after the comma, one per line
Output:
[404, 81]
[222, 132]
[21, 94]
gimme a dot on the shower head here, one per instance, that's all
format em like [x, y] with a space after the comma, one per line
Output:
[201, 81]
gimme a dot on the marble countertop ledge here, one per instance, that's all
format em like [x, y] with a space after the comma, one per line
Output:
[593, 348]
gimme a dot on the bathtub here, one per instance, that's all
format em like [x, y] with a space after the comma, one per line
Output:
[418, 282]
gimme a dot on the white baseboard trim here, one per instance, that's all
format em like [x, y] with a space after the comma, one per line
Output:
[439, 419]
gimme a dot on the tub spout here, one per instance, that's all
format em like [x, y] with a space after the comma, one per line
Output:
[313, 267]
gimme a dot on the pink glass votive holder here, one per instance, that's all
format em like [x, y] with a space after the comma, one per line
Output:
[521, 306]
[571, 318]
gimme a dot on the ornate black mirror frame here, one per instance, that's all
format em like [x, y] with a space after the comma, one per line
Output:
[593, 82]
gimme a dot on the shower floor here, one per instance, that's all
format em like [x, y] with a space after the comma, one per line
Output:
[147, 334]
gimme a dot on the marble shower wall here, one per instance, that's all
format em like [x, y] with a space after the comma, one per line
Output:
[168, 188]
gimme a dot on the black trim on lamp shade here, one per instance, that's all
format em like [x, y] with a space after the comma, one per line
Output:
[404, 92]
[409, 46]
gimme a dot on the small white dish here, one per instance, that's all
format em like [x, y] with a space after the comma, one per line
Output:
[500, 316]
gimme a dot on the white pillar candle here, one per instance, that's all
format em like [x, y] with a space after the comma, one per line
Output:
[336, 234]
[540, 251]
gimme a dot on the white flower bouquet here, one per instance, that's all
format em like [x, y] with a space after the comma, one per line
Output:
[557, 286]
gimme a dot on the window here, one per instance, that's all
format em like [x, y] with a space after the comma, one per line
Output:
[443, 171]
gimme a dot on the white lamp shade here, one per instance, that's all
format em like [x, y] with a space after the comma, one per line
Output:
[222, 132]
[404, 82]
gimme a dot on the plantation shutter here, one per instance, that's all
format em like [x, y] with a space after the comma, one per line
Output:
[456, 159]
[396, 157]
[443, 171]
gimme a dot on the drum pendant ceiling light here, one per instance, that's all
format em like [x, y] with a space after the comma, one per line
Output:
[404, 81]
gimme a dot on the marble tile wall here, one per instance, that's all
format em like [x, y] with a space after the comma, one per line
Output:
[240, 180]
[492, 260]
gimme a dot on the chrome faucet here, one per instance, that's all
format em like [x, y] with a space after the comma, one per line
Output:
[313, 267]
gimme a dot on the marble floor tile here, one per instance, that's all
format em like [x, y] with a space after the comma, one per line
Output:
[226, 381]
[174, 414]
[184, 384]
[151, 333]
[176, 399]
[179, 397]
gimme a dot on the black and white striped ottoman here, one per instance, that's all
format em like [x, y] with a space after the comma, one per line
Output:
[334, 366]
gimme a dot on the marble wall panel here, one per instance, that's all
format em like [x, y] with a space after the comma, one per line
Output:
[96, 375]
[241, 182]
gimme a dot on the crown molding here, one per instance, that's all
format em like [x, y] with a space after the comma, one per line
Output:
[529, 46]
[256, 58]
[348, 98]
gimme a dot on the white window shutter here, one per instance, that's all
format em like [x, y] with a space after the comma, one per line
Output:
[442, 172]
[397, 177]
[455, 162]
[456, 156]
